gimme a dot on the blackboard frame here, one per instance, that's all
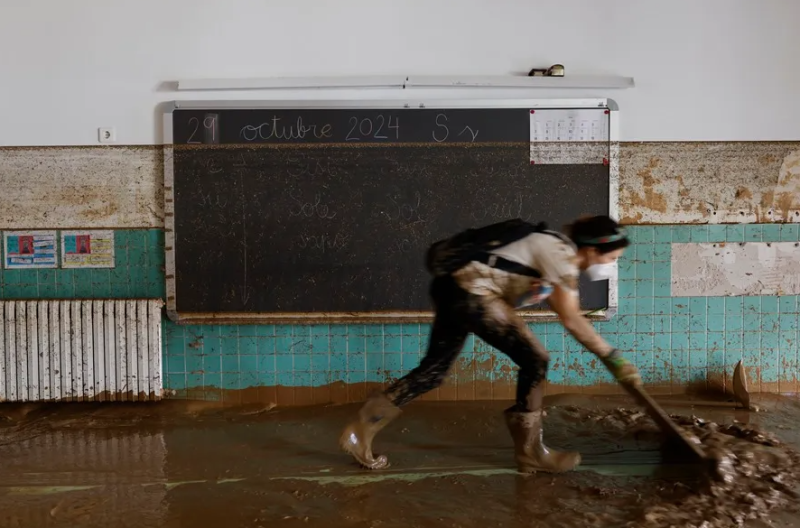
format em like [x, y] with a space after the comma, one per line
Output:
[367, 317]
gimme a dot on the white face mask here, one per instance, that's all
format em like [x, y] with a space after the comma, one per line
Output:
[598, 272]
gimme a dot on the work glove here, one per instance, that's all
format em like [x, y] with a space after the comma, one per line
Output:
[623, 370]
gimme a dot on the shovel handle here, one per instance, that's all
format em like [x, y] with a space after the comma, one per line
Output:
[663, 420]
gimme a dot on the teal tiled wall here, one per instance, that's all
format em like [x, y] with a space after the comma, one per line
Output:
[671, 339]
[138, 272]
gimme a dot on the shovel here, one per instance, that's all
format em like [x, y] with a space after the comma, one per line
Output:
[673, 431]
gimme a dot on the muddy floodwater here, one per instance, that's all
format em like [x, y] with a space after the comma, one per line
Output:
[184, 464]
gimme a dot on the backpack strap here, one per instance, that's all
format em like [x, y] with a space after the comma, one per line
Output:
[509, 266]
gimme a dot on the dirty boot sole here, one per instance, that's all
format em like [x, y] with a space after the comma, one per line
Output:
[350, 444]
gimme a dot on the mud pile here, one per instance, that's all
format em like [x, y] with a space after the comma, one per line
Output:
[758, 473]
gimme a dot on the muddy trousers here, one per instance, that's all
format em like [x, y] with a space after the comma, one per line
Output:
[459, 313]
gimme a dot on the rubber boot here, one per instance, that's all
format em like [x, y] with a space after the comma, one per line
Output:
[529, 449]
[357, 437]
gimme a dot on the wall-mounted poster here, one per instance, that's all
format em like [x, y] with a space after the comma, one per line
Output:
[87, 249]
[29, 249]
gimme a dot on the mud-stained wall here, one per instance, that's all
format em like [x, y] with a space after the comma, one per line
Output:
[698, 183]
[64, 188]
[660, 183]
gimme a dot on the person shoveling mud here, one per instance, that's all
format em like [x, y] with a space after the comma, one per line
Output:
[480, 277]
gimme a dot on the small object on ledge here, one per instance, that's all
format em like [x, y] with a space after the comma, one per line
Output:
[556, 70]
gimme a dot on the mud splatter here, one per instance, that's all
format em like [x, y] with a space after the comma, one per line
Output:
[743, 193]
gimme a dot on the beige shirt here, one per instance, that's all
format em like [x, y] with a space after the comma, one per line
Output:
[554, 258]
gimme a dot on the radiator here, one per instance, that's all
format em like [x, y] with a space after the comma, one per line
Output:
[88, 350]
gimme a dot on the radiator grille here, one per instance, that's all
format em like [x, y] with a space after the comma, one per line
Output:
[85, 350]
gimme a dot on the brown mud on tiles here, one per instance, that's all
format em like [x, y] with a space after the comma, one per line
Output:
[462, 385]
[205, 464]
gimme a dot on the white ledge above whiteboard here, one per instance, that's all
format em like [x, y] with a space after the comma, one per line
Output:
[410, 82]
[519, 81]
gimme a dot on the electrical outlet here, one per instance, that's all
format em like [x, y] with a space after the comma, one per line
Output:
[107, 135]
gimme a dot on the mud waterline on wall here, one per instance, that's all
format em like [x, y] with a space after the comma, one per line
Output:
[660, 183]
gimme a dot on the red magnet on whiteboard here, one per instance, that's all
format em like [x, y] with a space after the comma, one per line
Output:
[605, 161]
[533, 111]
[607, 112]
[533, 162]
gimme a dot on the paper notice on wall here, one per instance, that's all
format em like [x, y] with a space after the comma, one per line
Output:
[87, 249]
[570, 136]
[751, 268]
[29, 249]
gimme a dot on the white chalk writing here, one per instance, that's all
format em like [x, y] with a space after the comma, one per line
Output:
[209, 123]
[442, 130]
[316, 167]
[324, 242]
[245, 291]
[472, 133]
[211, 166]
[366, 128]
[400, 246]
[207, 199]
[499, 210]
[409, 210]
[274, 129]
[399, 208]
[310, 209]
[410, 169]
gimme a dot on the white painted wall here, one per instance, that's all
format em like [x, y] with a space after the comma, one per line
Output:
[710, 70]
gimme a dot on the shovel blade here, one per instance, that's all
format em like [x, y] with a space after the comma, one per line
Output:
[740, 392]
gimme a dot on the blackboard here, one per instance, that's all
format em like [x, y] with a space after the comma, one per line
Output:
[325, 214]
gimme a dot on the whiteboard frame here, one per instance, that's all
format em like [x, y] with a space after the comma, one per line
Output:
[368, 317]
